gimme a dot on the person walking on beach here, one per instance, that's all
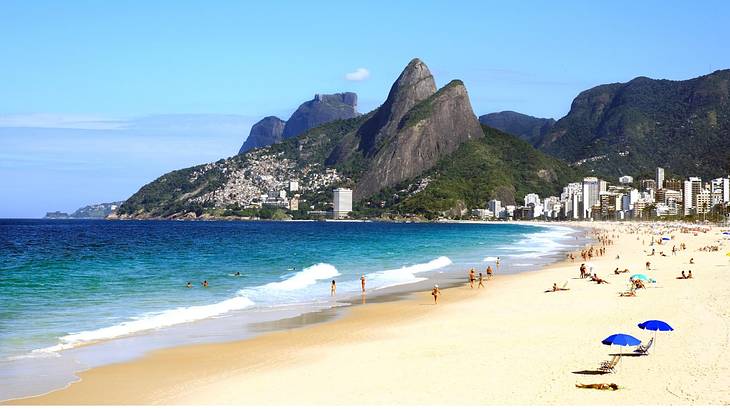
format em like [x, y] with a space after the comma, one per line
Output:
[362, 282]
[333, 288]
[472, 278]
[481, 281]
[497, 262]
[489, 271]
[435, 292]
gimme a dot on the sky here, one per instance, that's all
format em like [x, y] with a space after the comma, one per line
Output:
[98, 98]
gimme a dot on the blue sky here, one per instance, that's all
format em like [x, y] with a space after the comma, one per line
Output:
[98, 98]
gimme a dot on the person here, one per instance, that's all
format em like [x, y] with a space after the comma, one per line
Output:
[598, 386]
[472, 278]
[582, 270]
[648, 265]
[490, 272]
[333, 288]
[435, 293]
[237, 274]
[691, 261]
[481, 280]
[683, 276]
[652, 252]
[615, 271]
[189, 285]
[362, 282]
[689, 275]
[205, 283]
[498, 262]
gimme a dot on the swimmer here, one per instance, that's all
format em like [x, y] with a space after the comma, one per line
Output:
[205, 283]
[189, 285]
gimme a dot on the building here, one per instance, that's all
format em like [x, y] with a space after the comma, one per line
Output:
[482, 213]
[673, 184]
[703, 201]
[659, 178]
[533, 199]
[692, 188]
[342, 202]
[591, 189]
[294, 203]
[720, 188]
[495, 207]
[293, 186]
[647, 184]
[626, 179]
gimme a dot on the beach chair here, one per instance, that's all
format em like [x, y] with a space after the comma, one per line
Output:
[644, 349]
[609, 366]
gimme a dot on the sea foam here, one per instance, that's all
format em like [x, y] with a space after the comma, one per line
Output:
[406, 274]
[150, 321]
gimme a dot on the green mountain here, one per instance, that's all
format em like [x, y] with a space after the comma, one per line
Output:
[530, 129]
[422, 151]
[631, 128]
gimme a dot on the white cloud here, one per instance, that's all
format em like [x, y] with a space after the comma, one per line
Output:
[47, 120]
[361, 74]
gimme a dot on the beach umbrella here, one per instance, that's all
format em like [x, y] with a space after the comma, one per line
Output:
[621, 340]
[666, 238]
[655, 326]
[640, 276]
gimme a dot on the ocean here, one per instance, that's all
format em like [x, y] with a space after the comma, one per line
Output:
[81, 293]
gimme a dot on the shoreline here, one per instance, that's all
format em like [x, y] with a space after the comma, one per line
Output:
[137, 345]
[528, 346]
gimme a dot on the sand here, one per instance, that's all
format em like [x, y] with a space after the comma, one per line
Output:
[510, 343]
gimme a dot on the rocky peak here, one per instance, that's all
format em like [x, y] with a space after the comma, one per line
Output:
[414, 85]
[265, 132]
[321, 109]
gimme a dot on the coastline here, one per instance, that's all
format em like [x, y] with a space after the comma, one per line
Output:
[507, 344]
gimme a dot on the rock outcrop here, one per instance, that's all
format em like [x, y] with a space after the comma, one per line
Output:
[322, 109]
[268, 131]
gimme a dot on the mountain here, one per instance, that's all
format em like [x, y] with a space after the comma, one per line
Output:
[530, 129]
[631, 128]
[96, 211]
[422, 151]
[323, 108]
[408, 134]
[269, 130]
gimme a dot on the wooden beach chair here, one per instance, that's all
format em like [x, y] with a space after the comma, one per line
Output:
[609, 366]
[644, 349]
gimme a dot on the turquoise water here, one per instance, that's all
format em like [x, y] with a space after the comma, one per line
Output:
[64, 284]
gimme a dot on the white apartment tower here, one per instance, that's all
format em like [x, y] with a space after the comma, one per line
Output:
[342, 202]
[591, 189]
[659, 178]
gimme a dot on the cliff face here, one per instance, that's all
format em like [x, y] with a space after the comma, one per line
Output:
[323, 108]
[269, 130]
[410, 132]
[526, 127]
[630, 128]
[430, 130]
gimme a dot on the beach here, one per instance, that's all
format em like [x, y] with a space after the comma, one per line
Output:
[510, 343]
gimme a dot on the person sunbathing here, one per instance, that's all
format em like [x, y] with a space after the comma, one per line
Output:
[598, 280]
[556, 288]
[689, 275]
[638, 284]
[683, 276]
[598, 386]
[628, 293]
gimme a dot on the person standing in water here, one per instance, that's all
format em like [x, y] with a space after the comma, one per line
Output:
[498, 262]
[205, 283]
[472, 278]
[435, 292]
[189, 285]
[333, 288]
[362, 283]
[489, 271]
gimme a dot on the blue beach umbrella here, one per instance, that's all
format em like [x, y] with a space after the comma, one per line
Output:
[666, 238]
[656, 326]
[640, 276]
[621, 339]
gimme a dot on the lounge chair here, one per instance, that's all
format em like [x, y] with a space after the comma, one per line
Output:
[609, 366]
[644, 349]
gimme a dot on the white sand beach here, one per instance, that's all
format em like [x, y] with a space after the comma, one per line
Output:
[510, 343]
